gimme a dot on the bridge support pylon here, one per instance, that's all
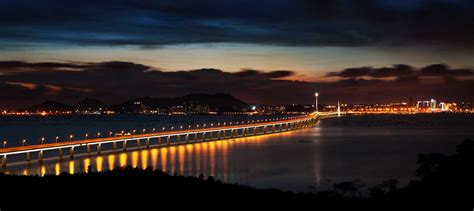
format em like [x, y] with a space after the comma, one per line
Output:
[40, 156]
[4, 161]
[99, 146]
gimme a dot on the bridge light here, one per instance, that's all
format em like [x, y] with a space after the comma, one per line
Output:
[154, 130]
[163, 129]
[143, 131]
[181, 127]
[4, 144]
[134, 131]
[110, 134]
[42, 140]
[23, 142]
[86, 135]
[172, 128]
[57, 138]
[98, 135]
[70, 137]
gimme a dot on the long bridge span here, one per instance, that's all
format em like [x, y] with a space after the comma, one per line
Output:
[168, 137]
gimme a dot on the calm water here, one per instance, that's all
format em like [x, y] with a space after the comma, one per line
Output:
[365, 148]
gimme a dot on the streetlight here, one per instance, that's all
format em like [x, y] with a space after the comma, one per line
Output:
[110, 134]
[57, 138]
[70, 137]
[316, 95]
[4, 144]
[23, 142]
[98, 135]
[42, 140]
[143, 131]
[86, 135]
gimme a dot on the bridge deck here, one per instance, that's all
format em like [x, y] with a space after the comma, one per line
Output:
[65, 144]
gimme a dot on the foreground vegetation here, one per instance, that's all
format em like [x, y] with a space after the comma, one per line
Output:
[443, 182]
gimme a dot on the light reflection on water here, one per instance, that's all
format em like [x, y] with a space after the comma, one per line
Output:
[208, 158]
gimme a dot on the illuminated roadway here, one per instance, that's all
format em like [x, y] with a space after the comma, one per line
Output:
[249, 129]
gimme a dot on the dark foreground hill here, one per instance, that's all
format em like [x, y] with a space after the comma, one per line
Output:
[445, 182]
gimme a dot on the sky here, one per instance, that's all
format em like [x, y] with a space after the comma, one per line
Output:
[266, 51]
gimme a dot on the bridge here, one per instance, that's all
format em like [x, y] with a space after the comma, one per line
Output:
[169, 137]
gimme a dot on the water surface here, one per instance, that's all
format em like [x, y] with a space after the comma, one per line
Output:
[365, 148]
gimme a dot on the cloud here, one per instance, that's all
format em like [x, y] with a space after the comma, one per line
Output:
[445, 70]
[401, 70]
[151, 24]
[259, 73]
[116, 81]
[8, 67]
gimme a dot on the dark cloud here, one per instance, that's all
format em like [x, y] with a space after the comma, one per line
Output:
[395, 71]
[264, 74]
[273, 22]
[7, 67]
[115, 82]
[402, 70]
[445, 70]
[352, 72]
